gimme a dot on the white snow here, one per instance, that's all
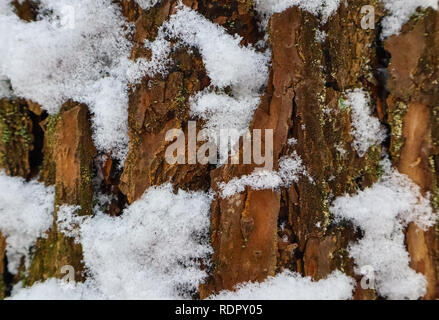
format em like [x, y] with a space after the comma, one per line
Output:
[227, 62]
[55, 289]
[292, 142]
[322, 8]
[147, 4]
[224, 114]
[290, 170]
[26, 212]
[382, 212]
[292, 286]
[5, 6]
[320, 38]
[78, 50]
[152, 251]
[366, 129]
[158, 64]
[400, 11]
[68, 222]
[284, 286]
[5, 91]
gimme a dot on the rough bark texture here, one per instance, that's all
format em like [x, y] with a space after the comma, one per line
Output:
[69, 145]
[304, 99]
[413, 105]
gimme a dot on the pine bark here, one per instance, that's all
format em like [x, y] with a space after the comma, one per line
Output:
[306, 79]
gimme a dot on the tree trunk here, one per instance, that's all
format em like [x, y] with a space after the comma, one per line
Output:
[303, 100]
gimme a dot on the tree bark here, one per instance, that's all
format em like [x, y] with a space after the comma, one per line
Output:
[303, 100]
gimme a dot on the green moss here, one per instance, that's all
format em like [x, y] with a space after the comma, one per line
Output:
[86, 191]
[343, 105]
[419, 15]
[322, 205]
[435, 125]
[340, 258]
[396, 122]
[6, 134]
[14, 122]
[373, 157]
[2, 288]
[435, 198]
[48, 173]
[16, 137]
[50, 255]
[435, 192]
[51, 122]
[180, 99]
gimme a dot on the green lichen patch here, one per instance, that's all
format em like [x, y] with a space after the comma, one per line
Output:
[50, 255]
[396, 121]
[16, 138]
[343, 105]
[48, 171]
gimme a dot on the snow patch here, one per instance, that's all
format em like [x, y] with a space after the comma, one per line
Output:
[55, 289]
[382, 212]
[321, 36]
[26, 213]
[147, 4]
[158, 64]
[68, 222]
[77, 49]
[152, 251]
[290, 170]
[320, 8]
[366, 129]
[292, 286]
[5, 90]
[292, 142]
[223, 115]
